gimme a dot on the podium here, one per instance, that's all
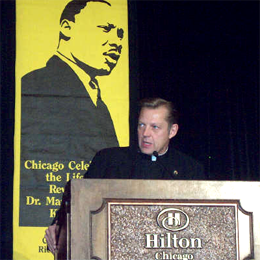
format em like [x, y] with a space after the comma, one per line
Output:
[157, 219]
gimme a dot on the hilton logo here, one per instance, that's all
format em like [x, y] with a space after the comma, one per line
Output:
[173, 219]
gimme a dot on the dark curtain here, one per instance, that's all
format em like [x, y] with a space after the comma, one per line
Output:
[7, 83]
[203, 56]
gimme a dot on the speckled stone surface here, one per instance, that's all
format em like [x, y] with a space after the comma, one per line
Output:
[214, 225]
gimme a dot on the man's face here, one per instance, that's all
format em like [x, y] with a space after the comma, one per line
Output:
[96, 38]
[154, 133]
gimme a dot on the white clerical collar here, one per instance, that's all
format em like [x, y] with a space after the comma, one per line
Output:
[83, 76]
[154, 158]
[164, 152]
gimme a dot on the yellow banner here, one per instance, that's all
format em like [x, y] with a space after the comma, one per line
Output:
[72, 99]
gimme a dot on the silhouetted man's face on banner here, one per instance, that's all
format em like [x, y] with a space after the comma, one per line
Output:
[95, 37]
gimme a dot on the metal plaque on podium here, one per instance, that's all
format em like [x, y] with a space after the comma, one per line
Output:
[156, 219]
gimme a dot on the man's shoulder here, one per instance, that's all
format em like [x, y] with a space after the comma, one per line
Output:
[187, 165]
[54, 77]
[181, 156]
[114, 156]
[50, 65]
[37, 79]
[109, 162]
[115, 151]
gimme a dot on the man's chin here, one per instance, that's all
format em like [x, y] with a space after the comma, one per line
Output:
[146, 151]
[105, 71]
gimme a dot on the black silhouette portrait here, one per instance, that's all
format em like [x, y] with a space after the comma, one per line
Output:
[64, 118]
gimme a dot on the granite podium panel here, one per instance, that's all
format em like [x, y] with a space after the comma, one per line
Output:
[156, 219]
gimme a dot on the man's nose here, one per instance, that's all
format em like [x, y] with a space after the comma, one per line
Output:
[118, 48]
[115, 40]
[147, 131]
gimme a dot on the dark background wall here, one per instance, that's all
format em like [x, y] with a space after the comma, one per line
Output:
[202, 55]
[7, 84]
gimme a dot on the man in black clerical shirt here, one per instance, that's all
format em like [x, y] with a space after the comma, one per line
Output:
[153, 159]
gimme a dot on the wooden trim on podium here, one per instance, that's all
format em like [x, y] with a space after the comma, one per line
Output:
[86, 231]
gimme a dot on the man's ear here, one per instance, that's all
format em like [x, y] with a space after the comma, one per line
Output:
[173, 131]
[66, 27]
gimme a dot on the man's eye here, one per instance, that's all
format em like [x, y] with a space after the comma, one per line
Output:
[155, 127]
[140, 124]
[120, 33]
[106, 28]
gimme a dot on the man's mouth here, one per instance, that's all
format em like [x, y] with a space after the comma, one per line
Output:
[146, 144]
[113, 56]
